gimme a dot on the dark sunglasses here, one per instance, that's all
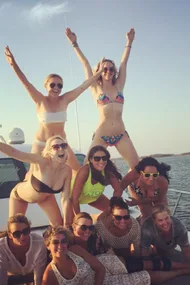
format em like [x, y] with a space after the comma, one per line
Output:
[111, 69]
[56, 242]
[98, 158]
[58, 146]
[25, 232]
[59, 85]
[119, 218]
[85, 227]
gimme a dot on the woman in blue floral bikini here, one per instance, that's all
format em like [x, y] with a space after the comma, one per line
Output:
[108, 94]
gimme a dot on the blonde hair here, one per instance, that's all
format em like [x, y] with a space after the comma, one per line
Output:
[159, 209]
[115, 71]
[47, 147]
[51, 76]
[53, 231]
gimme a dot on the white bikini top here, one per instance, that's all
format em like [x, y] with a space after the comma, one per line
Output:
[48, 117]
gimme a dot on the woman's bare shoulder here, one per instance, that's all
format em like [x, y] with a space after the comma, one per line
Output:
[49, 276]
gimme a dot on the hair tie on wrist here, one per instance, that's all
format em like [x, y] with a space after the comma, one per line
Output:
[75, 44]
[128, 46]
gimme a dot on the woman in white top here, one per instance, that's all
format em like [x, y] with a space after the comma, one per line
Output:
[71, 266]
[51, 109]
[49, 175]
[21, 252]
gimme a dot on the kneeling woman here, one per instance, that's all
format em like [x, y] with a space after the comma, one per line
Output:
[50, 175]
[91, 179]
[21, 252]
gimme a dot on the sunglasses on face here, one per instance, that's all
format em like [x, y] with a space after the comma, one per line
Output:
[25, 232]
[57, 242]
[58, 146]
[59, 85]
[98, 158]
[150, 174]
[85, 227]
[111, 69]
[119, 218]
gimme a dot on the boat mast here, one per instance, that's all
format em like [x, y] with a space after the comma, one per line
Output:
[71, 72]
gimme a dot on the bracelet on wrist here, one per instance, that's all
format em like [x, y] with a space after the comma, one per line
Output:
[75, 44]
[129, 46]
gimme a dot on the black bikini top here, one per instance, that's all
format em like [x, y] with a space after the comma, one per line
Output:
[40, 187]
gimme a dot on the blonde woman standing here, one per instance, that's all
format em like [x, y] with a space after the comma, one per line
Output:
[51, 109]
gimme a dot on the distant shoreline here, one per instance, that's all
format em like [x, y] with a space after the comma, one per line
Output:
[160, 155]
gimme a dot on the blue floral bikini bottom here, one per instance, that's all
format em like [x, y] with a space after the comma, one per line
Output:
[112, 140]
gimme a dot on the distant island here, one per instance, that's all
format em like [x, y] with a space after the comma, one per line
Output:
[161, 155]
[167, 154]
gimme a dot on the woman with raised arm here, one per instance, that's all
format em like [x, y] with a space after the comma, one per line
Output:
[108, 94]
[49, 175]
[51, 109]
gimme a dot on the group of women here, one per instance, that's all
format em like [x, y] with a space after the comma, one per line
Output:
[117, 250]
[113, 251]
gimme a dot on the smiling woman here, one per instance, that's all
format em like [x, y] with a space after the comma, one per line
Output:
[51, 109]
[108, 94]
[91, 179]
[50, 175]
[165, 232]
[148, 185]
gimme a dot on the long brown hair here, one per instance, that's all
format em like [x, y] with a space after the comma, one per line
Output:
[110, 168]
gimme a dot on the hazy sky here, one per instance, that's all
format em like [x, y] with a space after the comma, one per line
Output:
[156, 111]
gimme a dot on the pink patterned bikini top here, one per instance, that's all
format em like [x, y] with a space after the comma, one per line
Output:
[103, 99]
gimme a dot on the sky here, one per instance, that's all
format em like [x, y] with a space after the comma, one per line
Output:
[157, 102]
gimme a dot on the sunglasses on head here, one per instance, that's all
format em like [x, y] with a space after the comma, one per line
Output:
[56, 242]
[150, 174]
[98, 158]
[59, 85]
[119, 218]
[25, 232]
[58, 146]
[85, 227]
[111, 69]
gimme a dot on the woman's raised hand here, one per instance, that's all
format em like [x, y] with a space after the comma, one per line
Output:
[100, 66]
[71, 36]
[9, 56]
[130, 35]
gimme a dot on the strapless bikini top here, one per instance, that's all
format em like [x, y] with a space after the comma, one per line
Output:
[48, 117]
[104, 99]
[41, 187]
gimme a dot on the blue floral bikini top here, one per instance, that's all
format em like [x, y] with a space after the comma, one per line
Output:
[103, 99]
